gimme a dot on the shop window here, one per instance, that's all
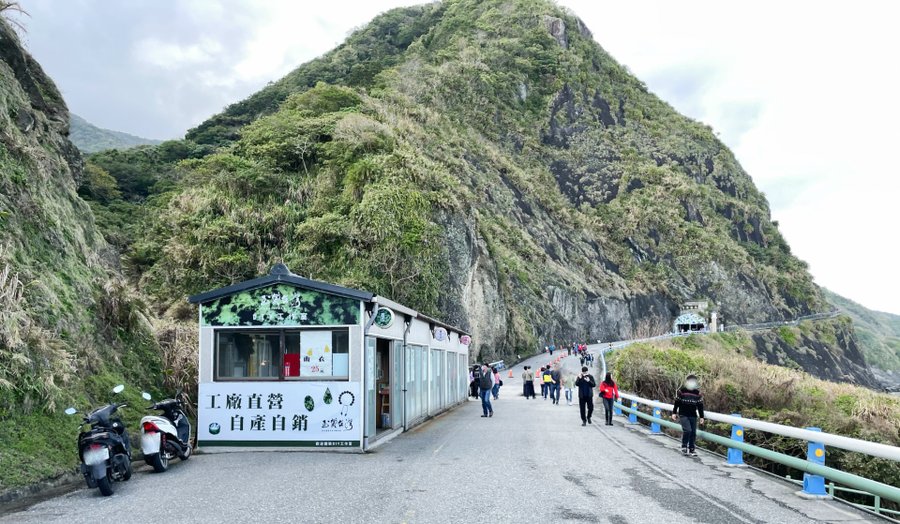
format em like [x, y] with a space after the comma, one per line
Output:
[316, 354]
[248, 355]
[259, 355]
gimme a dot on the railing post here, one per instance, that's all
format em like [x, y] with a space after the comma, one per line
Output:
[814, 485]
[632, 418]
[736, 456]
[654, 427]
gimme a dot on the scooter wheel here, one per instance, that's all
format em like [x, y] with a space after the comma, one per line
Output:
[159, 461]
[105, 486]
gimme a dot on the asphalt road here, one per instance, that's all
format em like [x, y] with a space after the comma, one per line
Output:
[532, 461]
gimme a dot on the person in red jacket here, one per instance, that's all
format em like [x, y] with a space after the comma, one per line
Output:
[609, 392]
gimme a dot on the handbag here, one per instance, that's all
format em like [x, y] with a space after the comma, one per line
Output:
[501, 382]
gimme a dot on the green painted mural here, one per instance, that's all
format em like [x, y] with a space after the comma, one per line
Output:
[280, 305]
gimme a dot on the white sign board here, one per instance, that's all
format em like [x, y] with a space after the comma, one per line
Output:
[315, 357]
[301, 414]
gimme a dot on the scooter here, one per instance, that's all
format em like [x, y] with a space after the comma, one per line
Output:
[104, 448]
[168, 436]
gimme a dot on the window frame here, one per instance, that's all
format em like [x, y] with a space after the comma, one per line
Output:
[281, 332]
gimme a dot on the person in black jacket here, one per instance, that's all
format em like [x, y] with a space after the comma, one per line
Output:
[688, 405]
[585, 384]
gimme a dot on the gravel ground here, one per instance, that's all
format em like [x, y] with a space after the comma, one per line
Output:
[532, 461]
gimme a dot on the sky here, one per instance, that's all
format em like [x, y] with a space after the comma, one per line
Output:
[803, 92]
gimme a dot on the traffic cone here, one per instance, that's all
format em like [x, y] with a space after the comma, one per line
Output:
[510, 373]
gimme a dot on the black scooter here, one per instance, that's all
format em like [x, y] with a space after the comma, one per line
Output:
[104, 448]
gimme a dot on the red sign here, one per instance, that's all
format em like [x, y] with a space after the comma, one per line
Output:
[465, 340]
[292, 364]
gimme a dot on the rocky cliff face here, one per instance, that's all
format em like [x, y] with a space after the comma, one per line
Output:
[826, 349]
[69, 328]
[47, 231]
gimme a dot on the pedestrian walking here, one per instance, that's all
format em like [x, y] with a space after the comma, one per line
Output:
[497, 383]
[555, 383]
[585, 384]
[551, 349]
[688, 406]
[568, 384]
[485, 384]
[528, 382]
[609, 392]
[545, 381]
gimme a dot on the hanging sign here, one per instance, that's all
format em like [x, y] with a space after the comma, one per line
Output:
[316, 414]
[440, 334]
[465, 340]
[384, 318]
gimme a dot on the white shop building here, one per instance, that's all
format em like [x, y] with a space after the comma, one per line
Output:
[287, 361]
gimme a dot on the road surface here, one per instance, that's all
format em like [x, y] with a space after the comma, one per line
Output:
[531, 462]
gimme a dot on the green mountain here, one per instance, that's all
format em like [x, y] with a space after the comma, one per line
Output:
[878, 332]
[89, 138]
[491, 165]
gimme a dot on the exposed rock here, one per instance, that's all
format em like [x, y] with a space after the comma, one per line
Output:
[557, 28]
[24, 120]
[827, 350]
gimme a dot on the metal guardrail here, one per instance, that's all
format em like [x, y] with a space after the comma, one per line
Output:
[832, 489]
[769, 325]
[850, 444]
[814, 466]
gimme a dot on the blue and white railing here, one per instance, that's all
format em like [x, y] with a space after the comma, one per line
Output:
[814, 468]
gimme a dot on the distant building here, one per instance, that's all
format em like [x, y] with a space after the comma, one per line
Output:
[695, 316]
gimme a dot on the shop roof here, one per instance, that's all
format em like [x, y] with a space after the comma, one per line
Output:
[281, 274]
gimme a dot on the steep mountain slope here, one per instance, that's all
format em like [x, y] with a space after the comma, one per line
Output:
[493, 166]
[69, 329]
[89, 138]
[878, 332]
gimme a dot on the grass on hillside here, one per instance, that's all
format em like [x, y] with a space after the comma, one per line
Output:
[733, 383]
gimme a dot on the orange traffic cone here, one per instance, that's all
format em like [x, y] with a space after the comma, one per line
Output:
[510, 373]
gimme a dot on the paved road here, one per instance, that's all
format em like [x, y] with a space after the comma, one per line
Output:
[531, 462]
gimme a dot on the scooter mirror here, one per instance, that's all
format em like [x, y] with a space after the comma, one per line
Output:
[118, 389]
[71, 411]
[146, 396]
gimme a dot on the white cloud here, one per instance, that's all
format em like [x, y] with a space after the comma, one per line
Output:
[168, 55]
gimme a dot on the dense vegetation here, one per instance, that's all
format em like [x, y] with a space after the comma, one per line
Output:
[733, 383]
[89, 138]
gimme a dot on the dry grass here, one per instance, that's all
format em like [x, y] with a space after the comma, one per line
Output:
[178, 343]
[734, 383]
[33, 361]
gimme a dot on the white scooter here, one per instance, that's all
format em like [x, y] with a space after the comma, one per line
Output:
[166, 437]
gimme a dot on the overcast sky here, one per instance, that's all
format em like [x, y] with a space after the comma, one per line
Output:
[805, 93]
